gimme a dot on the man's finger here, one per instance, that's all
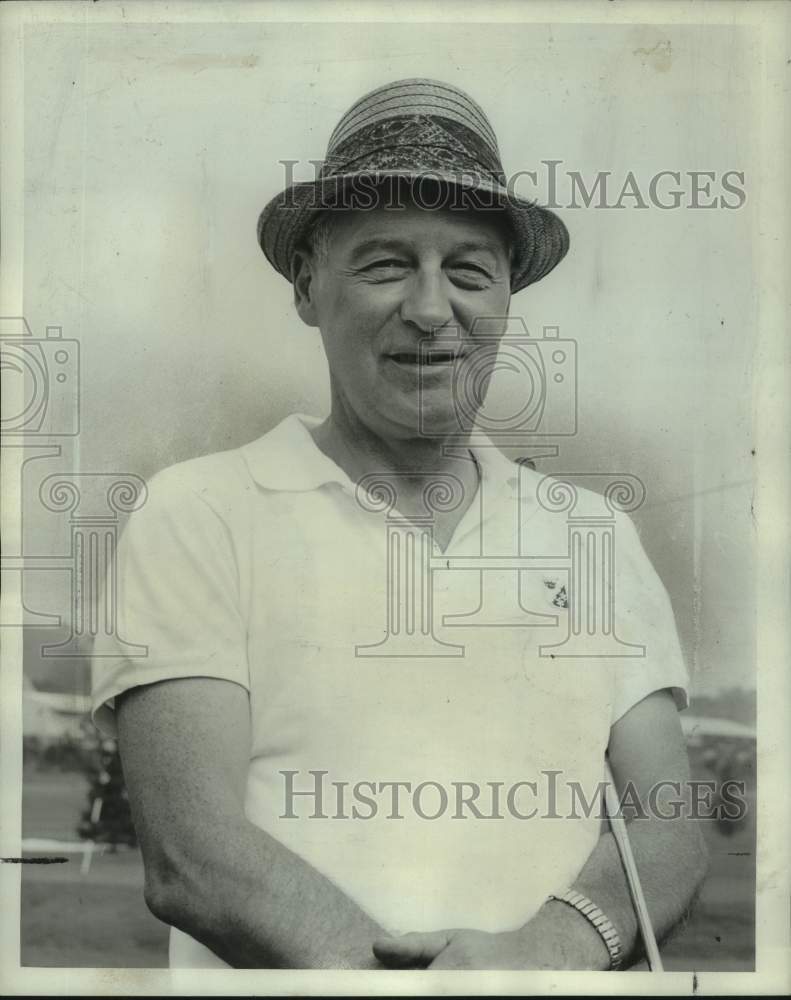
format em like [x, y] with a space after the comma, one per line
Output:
[415, 948]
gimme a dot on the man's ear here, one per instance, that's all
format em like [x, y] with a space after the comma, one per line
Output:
[302, 278]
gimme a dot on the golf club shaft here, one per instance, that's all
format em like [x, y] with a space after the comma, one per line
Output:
[621, 836]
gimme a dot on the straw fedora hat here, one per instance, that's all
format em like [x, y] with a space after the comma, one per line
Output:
[418, 130]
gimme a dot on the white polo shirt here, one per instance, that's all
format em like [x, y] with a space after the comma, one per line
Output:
[261, 566]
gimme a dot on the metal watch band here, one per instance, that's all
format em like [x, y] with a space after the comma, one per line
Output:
[600, 921]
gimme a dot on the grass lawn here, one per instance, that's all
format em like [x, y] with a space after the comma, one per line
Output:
[81, 923]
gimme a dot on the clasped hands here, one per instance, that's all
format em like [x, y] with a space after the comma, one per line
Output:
[537, 945]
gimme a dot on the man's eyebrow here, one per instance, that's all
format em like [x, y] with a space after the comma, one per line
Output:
[382, 243]
[376, 243]
[492, 246]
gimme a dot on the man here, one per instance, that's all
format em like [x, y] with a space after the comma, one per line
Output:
[324, 771]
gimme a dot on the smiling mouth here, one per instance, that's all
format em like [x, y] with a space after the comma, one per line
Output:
[427, 359]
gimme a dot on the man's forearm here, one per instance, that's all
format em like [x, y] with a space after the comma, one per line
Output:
[185, 745]
[670, 858]
[256, 904]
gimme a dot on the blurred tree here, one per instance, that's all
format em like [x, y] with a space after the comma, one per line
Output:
[107, 818]
[737, 704]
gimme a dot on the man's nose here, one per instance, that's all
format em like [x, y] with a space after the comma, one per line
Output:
[426, 304]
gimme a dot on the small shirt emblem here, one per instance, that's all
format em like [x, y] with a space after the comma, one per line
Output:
[556, 592]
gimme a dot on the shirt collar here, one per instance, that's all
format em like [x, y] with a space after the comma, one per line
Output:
[289, 460]
[495, 466]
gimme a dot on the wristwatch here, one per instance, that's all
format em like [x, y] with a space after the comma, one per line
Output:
[600, 921]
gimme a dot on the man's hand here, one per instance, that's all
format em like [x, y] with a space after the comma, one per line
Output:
[554, 939]
[454, 949]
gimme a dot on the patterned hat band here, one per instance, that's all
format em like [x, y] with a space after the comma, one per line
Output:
[426, 187]
[440, 143]
[431, 140]
[413, 159]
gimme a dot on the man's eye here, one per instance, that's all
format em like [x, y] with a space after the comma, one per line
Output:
[470, 276]
[390, 264]
[469, 266]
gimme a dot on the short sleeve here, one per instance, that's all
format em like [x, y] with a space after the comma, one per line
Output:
[643, 617]
[176, 591]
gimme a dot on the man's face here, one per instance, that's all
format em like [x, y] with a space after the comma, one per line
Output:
[389, 280]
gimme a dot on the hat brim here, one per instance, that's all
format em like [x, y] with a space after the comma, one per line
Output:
[540, 238]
